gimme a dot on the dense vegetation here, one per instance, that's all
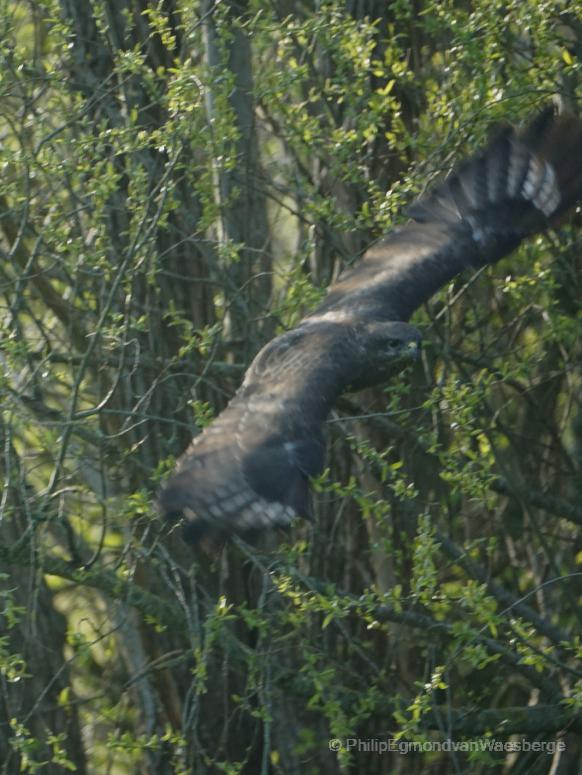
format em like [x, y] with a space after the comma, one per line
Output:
[180, 181]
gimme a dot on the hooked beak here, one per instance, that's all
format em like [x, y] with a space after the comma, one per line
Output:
[413, 349]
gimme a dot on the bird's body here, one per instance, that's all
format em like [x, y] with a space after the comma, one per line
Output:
[251, 467]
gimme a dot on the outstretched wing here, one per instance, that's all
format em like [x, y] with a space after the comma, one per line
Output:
[238, 476]
[517, 186]
[250, 468]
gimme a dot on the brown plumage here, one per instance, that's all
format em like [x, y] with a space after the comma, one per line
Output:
[250, 468]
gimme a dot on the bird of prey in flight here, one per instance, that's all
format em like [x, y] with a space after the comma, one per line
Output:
[250, 468]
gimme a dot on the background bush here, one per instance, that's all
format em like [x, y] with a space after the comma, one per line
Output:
[181, 181]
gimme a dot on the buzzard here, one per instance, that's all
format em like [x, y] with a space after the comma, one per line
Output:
[250, 468]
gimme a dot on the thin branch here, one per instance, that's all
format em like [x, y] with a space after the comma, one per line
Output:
[540, 500]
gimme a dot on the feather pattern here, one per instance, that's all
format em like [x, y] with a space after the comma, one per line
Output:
[250, 468]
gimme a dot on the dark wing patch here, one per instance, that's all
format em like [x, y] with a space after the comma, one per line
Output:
[212, 495]
[244, 472]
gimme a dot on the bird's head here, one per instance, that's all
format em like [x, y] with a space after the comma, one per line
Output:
[391, 340]
[387, 347]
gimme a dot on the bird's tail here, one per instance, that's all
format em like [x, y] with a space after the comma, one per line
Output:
[521, 183]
